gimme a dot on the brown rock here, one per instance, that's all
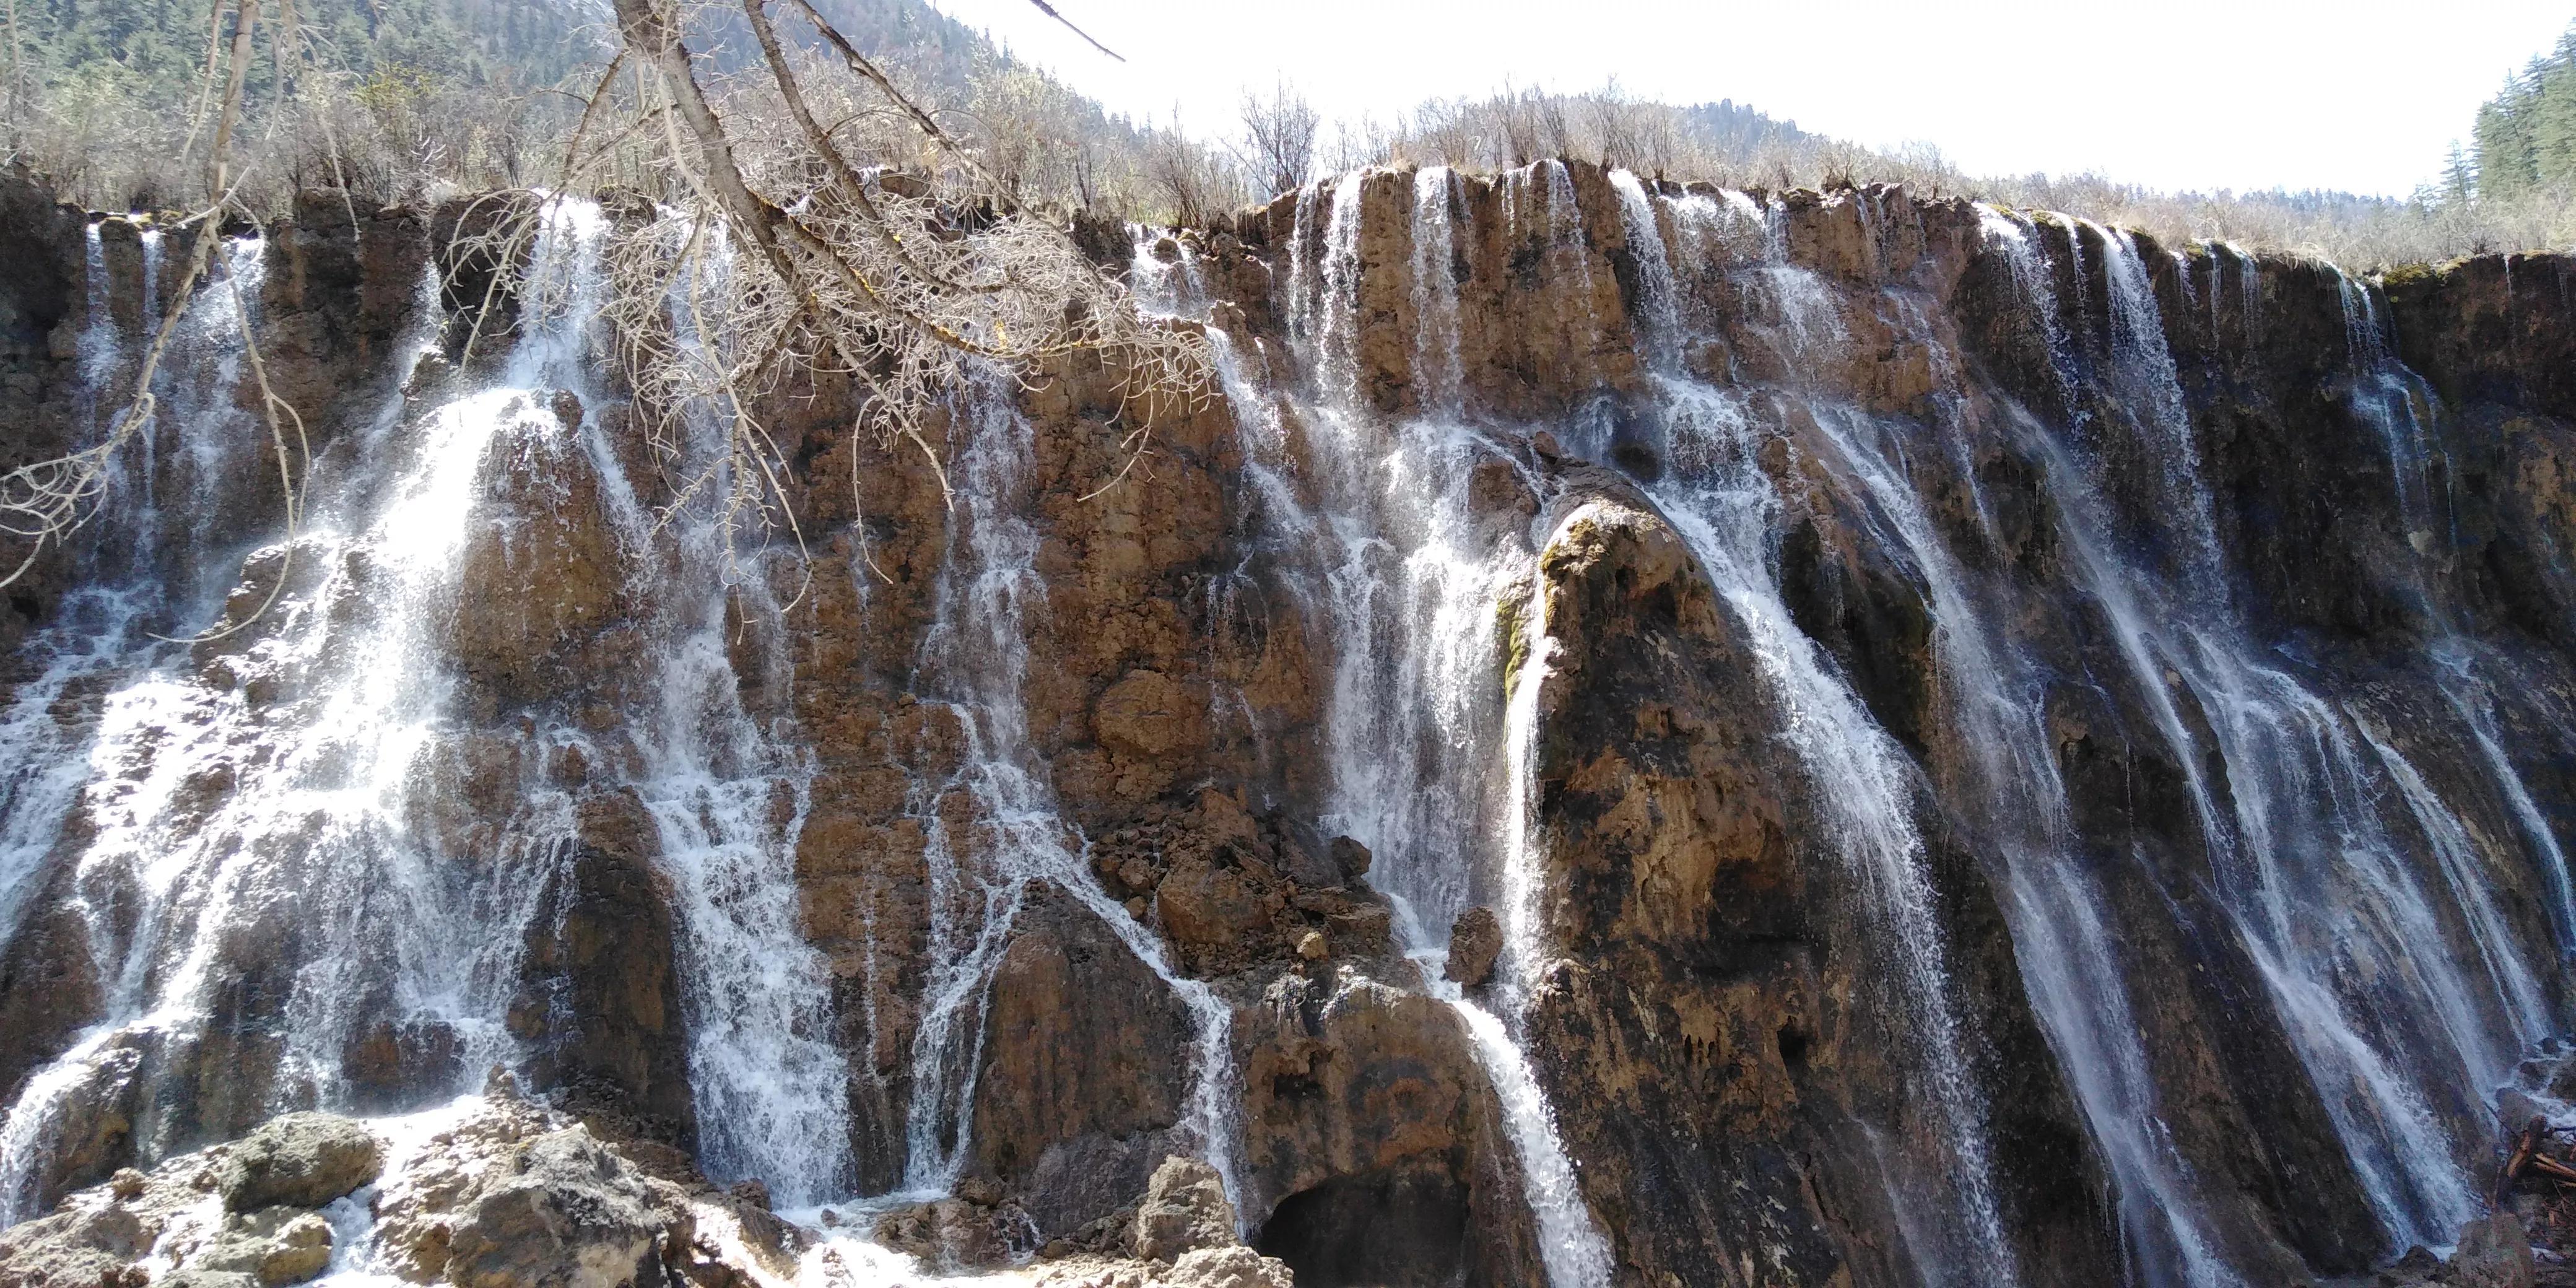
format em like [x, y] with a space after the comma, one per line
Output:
[300, 1160]
[2493, 1252]
[564, 1213]
[543, 573]
[302, 1250]
[952, 1234]
[1086, 1066]
[1185, 1210]
[1148, 714]
[1234, 1267]
[598, 1000]
[1351, 857]
[1475, 941]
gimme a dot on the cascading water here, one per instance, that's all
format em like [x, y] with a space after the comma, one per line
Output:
[2065, 949]
[994, 825]
[221, 805]
[2062, 941]
[1722, 504]
[2316, 880]
[325, 794]
[307, 808]
[728, 789]
[1411, 579]
[1435, 290]
[2396, 402]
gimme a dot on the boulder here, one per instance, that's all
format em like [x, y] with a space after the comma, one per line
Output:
[1351, 857]
[2418, 1267]
[76, 1248]
[954, 1234]
[115, 1235]
[1475, 941]
[1185, 1210]
[1235, 1267]
[568, 1213]
[300, 1160]
[302, 1250]
[2493, 1252]
[273, 1246]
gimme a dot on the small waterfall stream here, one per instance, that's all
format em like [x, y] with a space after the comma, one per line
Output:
[994, 824]
[1722, 503]
[1411, 577]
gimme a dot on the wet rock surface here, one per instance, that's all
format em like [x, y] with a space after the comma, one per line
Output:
[1708, 996]
[1185, 1210]
[300, 1160]
[1475, 940]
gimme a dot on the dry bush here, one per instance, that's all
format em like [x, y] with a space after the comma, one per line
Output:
[783, 250]
[1278, 146]
[1190, 181]
[813, 216]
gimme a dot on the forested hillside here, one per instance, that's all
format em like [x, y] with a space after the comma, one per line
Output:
[2526, 136]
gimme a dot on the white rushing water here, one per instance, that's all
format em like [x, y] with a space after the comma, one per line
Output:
[283, 812]
[1411, 578]
[223, 820]
[2400, 1042]
[1717, 497]
[1013, 831]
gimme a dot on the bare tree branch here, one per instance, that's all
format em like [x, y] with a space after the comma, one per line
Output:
[1049, 10]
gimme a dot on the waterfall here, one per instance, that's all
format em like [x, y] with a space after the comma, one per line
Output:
[2313, 877]
[332, 798]
[2399, 405]
[1721, 502]
[274, 799]
[975, 661]
[1411, 581]
[1165, 289]
[1570, 1243]
[317, 862]
[1435, 292]
[728, 788]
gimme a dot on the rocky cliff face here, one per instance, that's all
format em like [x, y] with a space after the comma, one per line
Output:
[1650, 736]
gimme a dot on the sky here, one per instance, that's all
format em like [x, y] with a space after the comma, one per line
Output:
[2360, 95]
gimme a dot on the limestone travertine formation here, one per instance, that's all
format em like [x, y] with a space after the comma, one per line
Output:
[1651, 736]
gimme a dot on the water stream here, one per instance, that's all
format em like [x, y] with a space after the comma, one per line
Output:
[1718, 498]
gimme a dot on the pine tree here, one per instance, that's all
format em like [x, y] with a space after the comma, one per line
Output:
[2459, 175]
[2525, 138]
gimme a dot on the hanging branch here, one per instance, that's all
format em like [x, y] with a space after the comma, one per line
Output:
[906, 289]
[909, 289]
[44, 502]
[1049, 10]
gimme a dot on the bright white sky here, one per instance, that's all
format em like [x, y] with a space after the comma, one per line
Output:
[2363, 95]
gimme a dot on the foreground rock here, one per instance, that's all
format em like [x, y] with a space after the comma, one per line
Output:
[1475, 941]
[513, 1195]
[2493, 1253]
[1234, 1267]
[1185, 1210]
[301, 1160]
[1184, 1237]
[232, 1216]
